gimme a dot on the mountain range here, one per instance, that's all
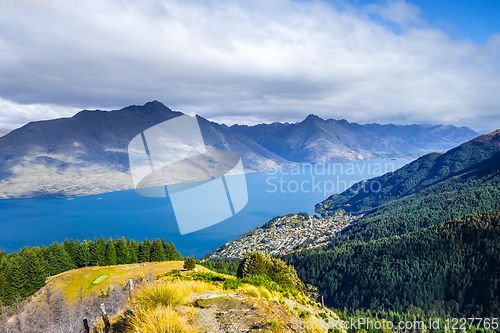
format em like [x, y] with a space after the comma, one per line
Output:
[316, 140]
[87, 153]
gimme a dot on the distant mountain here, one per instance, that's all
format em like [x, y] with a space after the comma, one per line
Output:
[87, 153]
[316, 140]
[4, 131]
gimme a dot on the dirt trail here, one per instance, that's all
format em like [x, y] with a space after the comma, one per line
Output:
[236, 312]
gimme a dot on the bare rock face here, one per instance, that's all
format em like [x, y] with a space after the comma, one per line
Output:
[87, 153]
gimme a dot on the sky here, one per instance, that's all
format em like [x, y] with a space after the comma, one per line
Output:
[248, 62]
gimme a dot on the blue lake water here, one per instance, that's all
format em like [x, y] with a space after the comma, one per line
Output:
[32, 222]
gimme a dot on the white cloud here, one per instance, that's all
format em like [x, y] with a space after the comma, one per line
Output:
[399, 11]
[245, 61]
[13, 115]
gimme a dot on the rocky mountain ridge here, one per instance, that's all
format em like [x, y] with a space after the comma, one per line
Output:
[316, 140]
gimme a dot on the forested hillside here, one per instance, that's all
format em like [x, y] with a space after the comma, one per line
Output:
[451, 268]
[429, 191]
[418, 175]
[23, 274]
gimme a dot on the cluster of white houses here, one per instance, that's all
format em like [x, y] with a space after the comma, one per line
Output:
[287, 235]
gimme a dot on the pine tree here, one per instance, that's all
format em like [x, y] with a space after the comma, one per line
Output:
[3, 288]
[83, 253]
[16, 278]
[36, 274]
[101, 250]
[94, 253]
[59, 260]
[70, 248]
[157, 251]
[171, 252]
[189, 263]
[133, 248]
[98, 252]
[122, 251]
[144, 250]
[110, 252]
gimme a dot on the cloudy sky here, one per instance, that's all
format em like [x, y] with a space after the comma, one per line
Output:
[255, 61]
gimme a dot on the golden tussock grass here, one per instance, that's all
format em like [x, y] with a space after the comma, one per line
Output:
[161, 319]
[250, 290]
[172, 293]
[155, 294]
[264, 293]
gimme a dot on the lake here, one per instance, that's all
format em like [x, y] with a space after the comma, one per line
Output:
[32, 222]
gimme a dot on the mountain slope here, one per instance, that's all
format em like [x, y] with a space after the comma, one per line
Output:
[87, 153]
[424, 172]
[435, 192]
[315, 140]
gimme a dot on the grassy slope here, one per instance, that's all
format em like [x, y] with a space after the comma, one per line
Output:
[70, 282]
[255, 306]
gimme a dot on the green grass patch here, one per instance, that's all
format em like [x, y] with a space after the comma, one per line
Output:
[100, 279]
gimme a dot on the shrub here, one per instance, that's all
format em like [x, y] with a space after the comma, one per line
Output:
[262, 264]
[189, 263]
[232, 284]
[174, 274]
[303, 314]
[261, 281]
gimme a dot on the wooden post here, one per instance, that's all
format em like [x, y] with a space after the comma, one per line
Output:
[107, 325]
[322, 301]
[86, 328]
[130, 285]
